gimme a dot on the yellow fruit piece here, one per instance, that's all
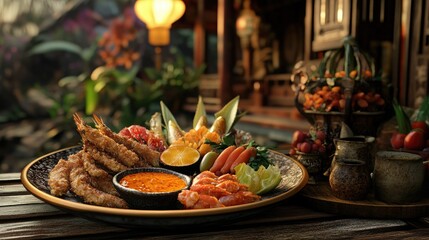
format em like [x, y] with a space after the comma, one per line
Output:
[204, 149]
[180, 155]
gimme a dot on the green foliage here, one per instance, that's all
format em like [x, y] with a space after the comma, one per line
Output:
[175, 74]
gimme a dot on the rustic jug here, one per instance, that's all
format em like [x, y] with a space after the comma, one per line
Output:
[359, 147]
[350, 179]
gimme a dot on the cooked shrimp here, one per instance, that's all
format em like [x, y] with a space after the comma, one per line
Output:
[193, 200]
[104, 184]
[226, 177]
[90, 166]
[205, 174]
[104, 159]
[206, 180]
[209, 189]
[231, 186]
[59, 178]
[207, 201]
[147, 156]
[80, 185]
[240, 197]
[188, 198]
[105, 143]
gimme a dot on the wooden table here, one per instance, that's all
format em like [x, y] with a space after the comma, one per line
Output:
[23, 216]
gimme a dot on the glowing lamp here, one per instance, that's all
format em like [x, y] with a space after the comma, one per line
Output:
[158, 16]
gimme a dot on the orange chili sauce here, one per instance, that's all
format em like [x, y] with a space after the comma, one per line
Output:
[153, 182]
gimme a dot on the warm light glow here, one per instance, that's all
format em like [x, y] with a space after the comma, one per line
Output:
[340, 12]
[158, 16]
[323, 12]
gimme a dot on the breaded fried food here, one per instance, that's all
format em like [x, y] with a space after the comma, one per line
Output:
[104, 159]
[91, 168]
[148, 157]
[104, 184]
[59, 178]
[80, 183]
[105, 144]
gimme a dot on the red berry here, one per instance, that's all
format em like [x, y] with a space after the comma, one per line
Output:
[298, 136]
[292, 151]
[305, 147]
[318, 142]
[321, 135]
[315, 147]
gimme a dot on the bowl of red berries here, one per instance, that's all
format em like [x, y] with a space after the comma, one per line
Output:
[309, 149]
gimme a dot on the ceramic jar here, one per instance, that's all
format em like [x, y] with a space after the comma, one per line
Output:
[313, 164]
[350, 179]
[398, 177]
[359, 148]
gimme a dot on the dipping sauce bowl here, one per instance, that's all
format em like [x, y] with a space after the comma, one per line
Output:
[151, 188]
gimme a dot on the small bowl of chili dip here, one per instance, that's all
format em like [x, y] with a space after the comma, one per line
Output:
[151, 187]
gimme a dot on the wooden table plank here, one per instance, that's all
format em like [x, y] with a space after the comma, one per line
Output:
[28, 211]
[67, 227]
[59, 227]
[12, 189]
[18, 200]
[10, 177]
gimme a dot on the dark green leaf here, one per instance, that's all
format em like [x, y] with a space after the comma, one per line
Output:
[52, 46]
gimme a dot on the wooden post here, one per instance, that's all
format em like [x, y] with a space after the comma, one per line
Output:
[225, 32]
[200, 35]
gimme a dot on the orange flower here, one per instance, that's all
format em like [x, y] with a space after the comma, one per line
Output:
[127, 58]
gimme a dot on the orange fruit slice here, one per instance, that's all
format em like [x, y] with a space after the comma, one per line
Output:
[180, 156]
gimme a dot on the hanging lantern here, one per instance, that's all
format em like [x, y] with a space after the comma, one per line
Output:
[246, 23]
[158, 16]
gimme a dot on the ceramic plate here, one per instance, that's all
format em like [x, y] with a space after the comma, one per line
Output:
[35, 179]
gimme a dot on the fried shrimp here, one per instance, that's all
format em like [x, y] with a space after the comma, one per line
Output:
[148, 157]
[104, 184]
[59, 178]
[104, 159]
[90, 166]
[105, 143]
[81, 186]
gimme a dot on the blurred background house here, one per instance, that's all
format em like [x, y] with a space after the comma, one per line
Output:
[93, 56]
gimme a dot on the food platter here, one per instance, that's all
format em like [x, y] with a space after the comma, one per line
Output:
[35, 179]
[320, 197]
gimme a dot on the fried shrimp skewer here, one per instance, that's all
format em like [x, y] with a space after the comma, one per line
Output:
[104, 159]
[105, 144]
[81, 186]
[147, 156]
